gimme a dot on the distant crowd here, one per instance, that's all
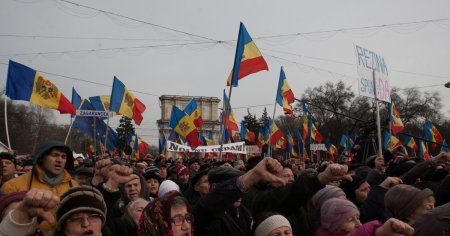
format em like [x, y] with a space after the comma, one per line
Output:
[53, 193]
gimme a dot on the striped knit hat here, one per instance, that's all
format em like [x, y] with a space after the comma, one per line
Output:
[80, 199]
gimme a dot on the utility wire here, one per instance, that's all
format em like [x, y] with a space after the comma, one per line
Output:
[94, 38]
[106, 49]
[140, 21]
[347, 29]
[90, 82]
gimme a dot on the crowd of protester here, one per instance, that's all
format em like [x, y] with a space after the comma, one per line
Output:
[53, 193]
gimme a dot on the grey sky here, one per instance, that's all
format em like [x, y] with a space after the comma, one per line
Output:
[201, 69]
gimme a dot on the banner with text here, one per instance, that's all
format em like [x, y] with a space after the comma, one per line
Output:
[238, 148]
[368, 63]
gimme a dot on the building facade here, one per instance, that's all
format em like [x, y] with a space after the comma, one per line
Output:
[209, 107]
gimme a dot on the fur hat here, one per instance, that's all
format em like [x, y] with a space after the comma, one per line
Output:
[80, 199]
[402, 200]
[335, 212]
[271, 223]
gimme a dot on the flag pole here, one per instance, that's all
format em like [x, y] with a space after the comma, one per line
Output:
[71, 123]
[225, 110]
[106, 133]
[95, 136]
[273, 121]
[6, 123]
[378, 114]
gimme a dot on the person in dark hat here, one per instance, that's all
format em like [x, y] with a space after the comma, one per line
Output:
[52, 163]
[220, 212]
[182, 177]
[82, 211]
[194, 166]
[408, 203]
[9, 166]
[198, 188]
[82, 174]
[153, 180]
[434, 223]
[162, 165]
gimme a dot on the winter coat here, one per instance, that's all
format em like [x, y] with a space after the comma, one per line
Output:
[215, 215]
[291, 201]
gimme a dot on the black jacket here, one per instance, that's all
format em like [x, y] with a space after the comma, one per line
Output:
[215, 215]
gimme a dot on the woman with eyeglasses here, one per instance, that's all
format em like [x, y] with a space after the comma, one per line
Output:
[168, 215]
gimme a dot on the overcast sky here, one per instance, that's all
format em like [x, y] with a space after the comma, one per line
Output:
[199, 46]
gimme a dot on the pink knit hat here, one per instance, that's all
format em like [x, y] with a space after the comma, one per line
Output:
[335, 212]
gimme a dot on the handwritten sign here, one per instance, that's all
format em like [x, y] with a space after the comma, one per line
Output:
[373, 75]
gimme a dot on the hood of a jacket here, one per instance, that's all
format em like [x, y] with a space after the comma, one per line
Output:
[47, 146]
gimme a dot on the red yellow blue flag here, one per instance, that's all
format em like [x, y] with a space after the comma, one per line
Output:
[26, 84]
[432, 134]
[409, 142]
[285, 96]
[247, 134]
[184, 126]
[315, 135]
[395, 122]
[275, 132]
[248, 59]
[194, 112]
[125, 103]
[423, 151]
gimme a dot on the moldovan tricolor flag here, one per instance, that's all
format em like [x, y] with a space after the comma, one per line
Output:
[423, 151]
[248, 59]
[275, 132]
[24, 83]
[432, 134]
[247, 134]
[394, 119]
[409, 142]
[285, 96]
[315, 135]
[194, 112]
[125, 103]
[184, 126]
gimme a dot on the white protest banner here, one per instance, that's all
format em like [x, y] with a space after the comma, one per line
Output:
[369, 65]
[253, 149]
[94, 113]
[238, 148]
[318, 146]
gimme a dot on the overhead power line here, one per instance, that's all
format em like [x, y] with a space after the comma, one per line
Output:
[349, 29]
[137, 20]
[96, 38]
[106, 49]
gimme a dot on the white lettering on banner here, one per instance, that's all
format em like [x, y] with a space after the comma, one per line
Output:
[370, 63]
[238, 148]
[318, 146]
[93, 113]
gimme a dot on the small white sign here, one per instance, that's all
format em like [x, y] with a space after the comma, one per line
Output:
[318, 146]
[94, 113]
